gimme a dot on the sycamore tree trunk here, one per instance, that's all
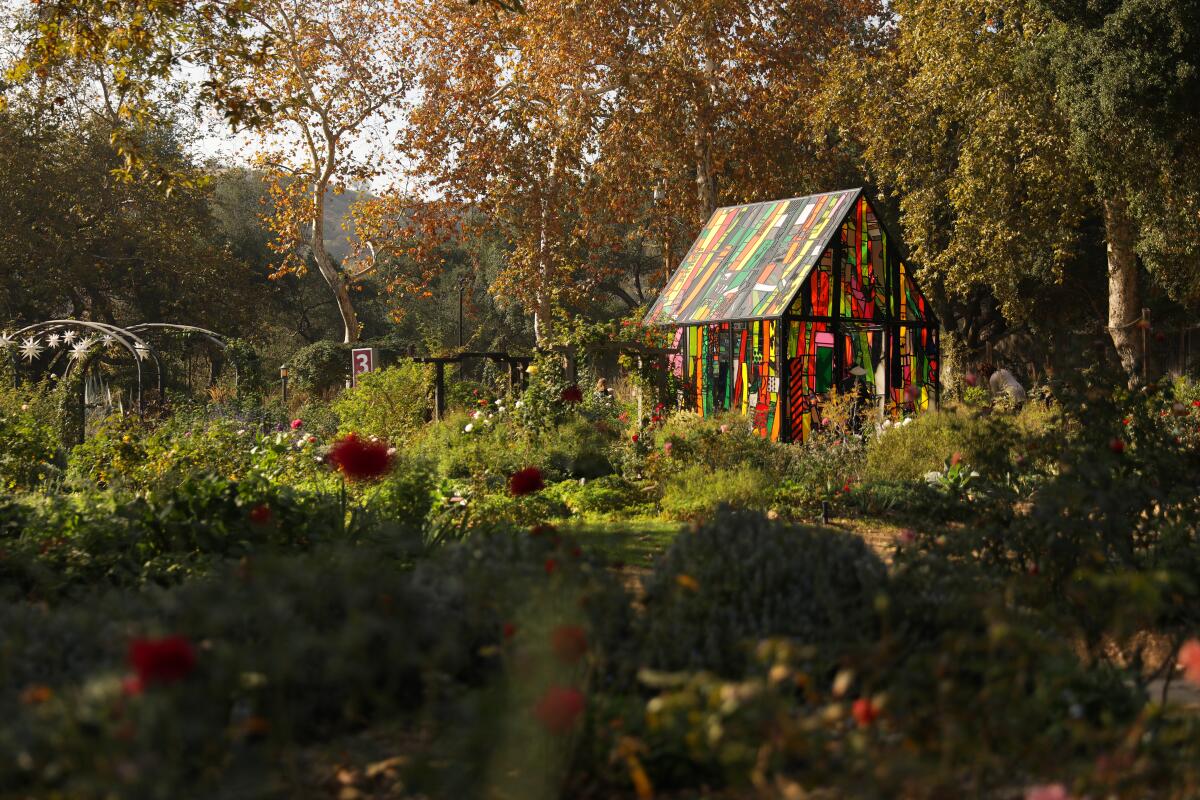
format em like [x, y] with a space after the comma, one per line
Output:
[333, 276]
[1124, 299]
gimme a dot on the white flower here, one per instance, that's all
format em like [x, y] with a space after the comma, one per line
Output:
[907, 421]
[391, 451]
[499, 400]
[518, 404]
[499, 409]
[933, 477]
[469, 427]
[241, 432]
[887, 423]
[477, 415]
[974, 474]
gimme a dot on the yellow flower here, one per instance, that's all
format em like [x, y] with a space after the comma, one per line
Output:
[688, 582]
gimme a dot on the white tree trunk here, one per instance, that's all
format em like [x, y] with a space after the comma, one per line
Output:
[1124, 299]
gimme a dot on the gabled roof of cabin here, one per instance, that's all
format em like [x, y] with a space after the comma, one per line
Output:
[750, 261]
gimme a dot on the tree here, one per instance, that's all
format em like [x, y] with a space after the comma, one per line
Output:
[566, 122]
[333, 71]
[75, 240]
[976, 133]
[1128, 80]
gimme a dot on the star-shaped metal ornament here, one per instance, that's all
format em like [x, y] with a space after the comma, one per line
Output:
[82, 347]
[69, 337]
[31, 348]
[142, 351]
[52, 340]
[6, 340]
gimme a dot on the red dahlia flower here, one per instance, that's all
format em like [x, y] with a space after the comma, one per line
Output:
[166, 660]
[525, 481]
[360, 459]
[569, 643]
[559, 709]
[1117, 446]
[297, 424]
[260, 514]
[865, 712]
[571, 395]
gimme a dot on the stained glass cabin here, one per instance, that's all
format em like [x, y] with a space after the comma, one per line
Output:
[778, 302]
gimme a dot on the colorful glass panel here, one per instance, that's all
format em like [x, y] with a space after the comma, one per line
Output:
[750, 261]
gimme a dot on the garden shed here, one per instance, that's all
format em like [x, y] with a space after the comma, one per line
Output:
[778, 302]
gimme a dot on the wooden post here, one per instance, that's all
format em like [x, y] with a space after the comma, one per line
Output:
[439, 390]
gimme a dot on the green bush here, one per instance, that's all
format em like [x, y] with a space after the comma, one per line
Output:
[609, 494]
[29, 441]
[697, 492]
[389, 403]
[320, 367]
[741, 578]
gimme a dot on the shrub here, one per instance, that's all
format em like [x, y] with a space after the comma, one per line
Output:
[28, 439]
[577, 449]
[606, 495]
[320, 366]
[740, 578]
[389, 403]
[698, 491]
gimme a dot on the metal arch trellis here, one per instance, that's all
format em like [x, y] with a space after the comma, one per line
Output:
[134, 339]
[30, 348]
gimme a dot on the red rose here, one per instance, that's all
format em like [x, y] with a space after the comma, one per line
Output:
[571, 395]
[865, 712]
[569, 643]
[166, 660]
[1117, 446]
[360, 459]
[633, 438]
[1196, 403]
[525, 481]
[260, 514]
[551, 565]
[559, 708]
[297, 424]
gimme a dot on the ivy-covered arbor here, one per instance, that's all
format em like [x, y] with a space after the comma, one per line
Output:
[778, 302]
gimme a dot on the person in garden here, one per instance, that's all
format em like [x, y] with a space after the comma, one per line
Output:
[1002, 383]
[602, 390]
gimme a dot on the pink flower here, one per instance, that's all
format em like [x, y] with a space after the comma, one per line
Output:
[525, 481]
[724, 429]
[906, 536]
[970, 379]
[668, 447]
[955, 459]
[559, 708]
[1189, 659]
[297, 424]
[1047, 791]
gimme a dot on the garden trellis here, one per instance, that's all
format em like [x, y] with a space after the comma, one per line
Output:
[103, 353]
[777, 303]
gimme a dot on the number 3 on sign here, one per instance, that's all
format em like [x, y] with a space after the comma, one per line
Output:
[362, 360]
